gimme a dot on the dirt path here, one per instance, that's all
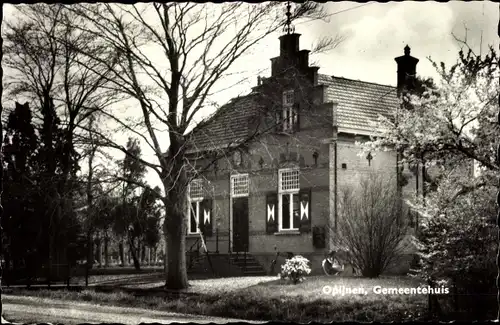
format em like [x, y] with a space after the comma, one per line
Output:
[42, 310]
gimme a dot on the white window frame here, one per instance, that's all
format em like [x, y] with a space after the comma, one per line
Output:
[242, 191]
[294, 190]
[198, 182]
[195, 197]
[288, 97]
[196, 216]
[289, 113]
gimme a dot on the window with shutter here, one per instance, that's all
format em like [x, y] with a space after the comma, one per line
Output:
[288, 199]
[195, 197]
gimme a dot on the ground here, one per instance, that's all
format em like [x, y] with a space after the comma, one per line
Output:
[255, 298]
[38, 310]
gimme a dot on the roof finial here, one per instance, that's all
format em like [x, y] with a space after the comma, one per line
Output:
[407, 50]
[289, 28]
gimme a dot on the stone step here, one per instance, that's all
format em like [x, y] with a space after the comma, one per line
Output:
[245, 262]
[251, 267]
[254, 272]
[242, 260]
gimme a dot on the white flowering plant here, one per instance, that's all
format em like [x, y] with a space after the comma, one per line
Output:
[295, 269]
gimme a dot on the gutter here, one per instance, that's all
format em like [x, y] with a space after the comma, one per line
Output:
[335, 184]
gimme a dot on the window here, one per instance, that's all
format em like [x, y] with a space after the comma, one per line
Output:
[196, 189]
[288, 199]
[288, 98]
[195, 197]
[239, 185]
[194, 220]
[289, 114]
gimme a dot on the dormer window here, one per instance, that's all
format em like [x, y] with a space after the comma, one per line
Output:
[288, 117]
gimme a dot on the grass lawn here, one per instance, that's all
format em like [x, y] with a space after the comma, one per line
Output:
[270, 300]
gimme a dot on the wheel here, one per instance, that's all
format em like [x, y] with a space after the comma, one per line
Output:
[329, 269]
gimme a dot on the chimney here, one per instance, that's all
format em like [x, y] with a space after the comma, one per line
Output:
[289, 45]
[407, 70]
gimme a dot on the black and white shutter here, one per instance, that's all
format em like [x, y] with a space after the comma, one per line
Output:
[206, 218]
[305, 210]
[271, 213]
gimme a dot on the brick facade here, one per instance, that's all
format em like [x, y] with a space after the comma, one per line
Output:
[334, 113]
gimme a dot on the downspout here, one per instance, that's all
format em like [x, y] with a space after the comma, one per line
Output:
[335, 213]
[423, 179]
[335, 165]
[417, 178]
[417, 173]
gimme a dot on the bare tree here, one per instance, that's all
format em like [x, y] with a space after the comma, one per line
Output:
[1, 212]
[195, 47]
[43, 66]
[371, 224]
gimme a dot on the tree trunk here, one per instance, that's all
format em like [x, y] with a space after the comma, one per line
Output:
[98, 252]
[135, 254]
[106, 250]
[143, 253]
[1, 210]
[176, 277]
[90, 259]
[121, 251]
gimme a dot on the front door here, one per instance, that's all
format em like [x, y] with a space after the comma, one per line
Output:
[240, 224]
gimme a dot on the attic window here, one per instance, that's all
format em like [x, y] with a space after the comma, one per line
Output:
[288, 98]
[288, 117]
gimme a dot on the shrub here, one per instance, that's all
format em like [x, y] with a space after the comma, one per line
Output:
[458, 248]
[295, 269]
[373, 225]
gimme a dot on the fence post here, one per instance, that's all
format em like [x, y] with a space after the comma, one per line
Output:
[245, 259]
[217, 240]
[69, 276]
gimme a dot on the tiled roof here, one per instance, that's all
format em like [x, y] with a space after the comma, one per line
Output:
[358, 102]
[227, 126]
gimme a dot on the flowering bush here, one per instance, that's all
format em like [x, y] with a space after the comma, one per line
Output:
[295, 269]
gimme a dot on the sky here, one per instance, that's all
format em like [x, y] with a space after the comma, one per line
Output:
[375, 33]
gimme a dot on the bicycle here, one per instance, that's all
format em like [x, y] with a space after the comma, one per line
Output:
[333, 266]
[278, 254]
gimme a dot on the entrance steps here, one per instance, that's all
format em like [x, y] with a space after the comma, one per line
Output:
[248, 264]
[224, 264]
